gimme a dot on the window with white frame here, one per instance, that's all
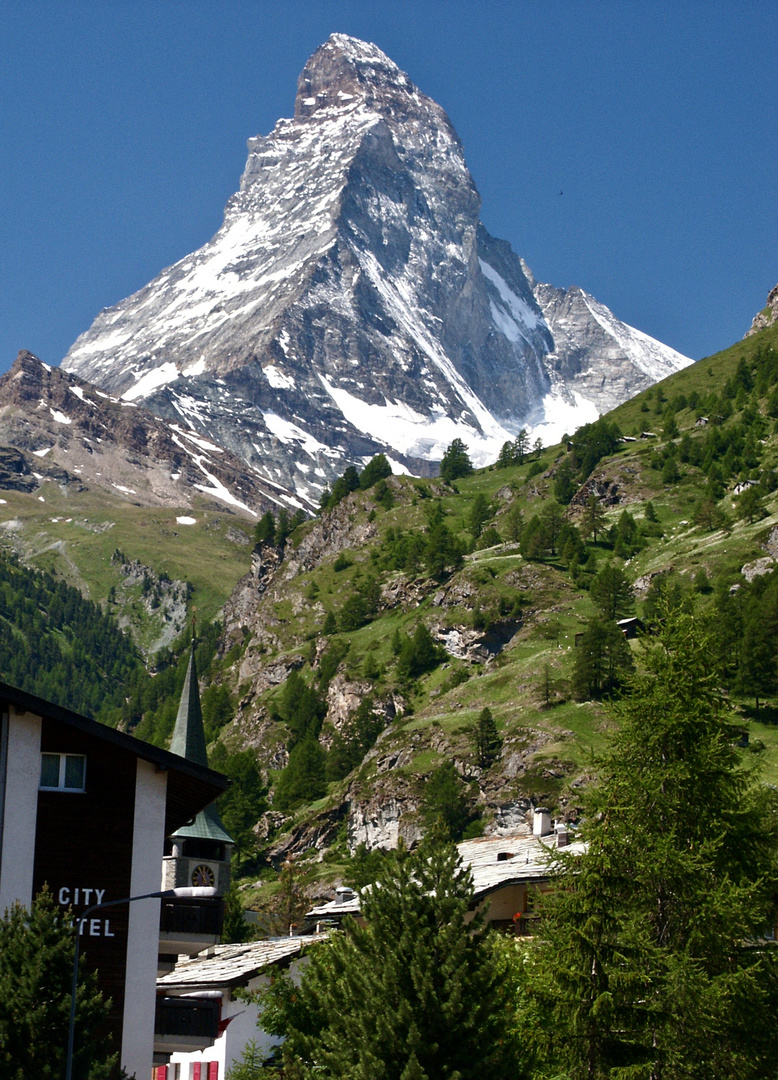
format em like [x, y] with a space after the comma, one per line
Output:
[63, 772]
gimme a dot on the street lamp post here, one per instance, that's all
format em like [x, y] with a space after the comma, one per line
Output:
[181, 893]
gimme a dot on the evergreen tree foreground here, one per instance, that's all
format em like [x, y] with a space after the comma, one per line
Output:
[652, 963]
[415, 994]
[36, 971]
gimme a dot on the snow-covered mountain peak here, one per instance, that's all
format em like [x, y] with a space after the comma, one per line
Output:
[353, 303]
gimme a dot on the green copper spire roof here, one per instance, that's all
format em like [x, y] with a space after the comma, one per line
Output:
[188, 735]
[206, 826]
[189, 742]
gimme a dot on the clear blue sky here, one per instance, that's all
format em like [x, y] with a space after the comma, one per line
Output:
[626, 147]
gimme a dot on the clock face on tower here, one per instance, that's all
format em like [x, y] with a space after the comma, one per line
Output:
[203, 875]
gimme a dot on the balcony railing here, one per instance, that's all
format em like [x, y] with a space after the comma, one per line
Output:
[188, 925]
[192, 916]
[525, 926]
[185, 1024]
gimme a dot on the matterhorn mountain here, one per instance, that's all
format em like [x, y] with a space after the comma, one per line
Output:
[352, 302]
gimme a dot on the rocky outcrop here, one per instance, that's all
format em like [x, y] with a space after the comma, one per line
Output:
[383, 824]
[15, 471]
[163, 598]
[757, 568]
[63, 430]
[767, 316]
[352, 302]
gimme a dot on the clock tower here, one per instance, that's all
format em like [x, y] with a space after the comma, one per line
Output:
[199, 852]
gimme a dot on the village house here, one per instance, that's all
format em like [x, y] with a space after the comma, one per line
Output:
[508, 873]
[218, 975]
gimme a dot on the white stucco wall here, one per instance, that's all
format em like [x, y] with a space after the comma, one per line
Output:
[242, 1029]
[21, 809]
[148, 841]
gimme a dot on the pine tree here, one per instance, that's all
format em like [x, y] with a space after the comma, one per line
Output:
[444, 806]
[750, 506]
[378, 468]
[649, 964]
[456, 461]
[479, 514]
[552, 517]
[612, 593]
[593, 520]
[506, 456]
[418, 654]
[602, 661]
[521, 446]
[304, 778]
[36, 970]
[415, 994]
[265, 530]
[486, 739]
[244, 801]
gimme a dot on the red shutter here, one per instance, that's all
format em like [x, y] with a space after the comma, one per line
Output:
[196, 1070]
[160, 1073]
[213, 1070]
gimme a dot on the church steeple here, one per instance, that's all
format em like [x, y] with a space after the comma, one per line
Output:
[198, 853]
[189, 734]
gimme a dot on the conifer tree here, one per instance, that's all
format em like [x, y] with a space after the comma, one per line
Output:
[593, 520]
[650, 964]
[414, 994]
[444, 805]
[521, 446]
[36, 969]
[456, 461]
[304, 778]
[486, 739]
[602, 660]
[612, 593]
[378, 468]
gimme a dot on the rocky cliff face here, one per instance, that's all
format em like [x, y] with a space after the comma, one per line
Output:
[352, 303]
[767, 316]
[57, 428]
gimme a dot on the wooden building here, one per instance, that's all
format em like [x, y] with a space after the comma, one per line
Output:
[85, 810]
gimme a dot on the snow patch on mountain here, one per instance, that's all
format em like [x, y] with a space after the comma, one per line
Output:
[516, 316]
[415, 434]
[151, 381]
[646, 353]
[561, 415]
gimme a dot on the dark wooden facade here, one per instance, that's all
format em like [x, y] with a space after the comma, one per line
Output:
[83, 850]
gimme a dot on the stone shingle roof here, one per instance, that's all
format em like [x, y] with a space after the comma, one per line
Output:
[234, 965]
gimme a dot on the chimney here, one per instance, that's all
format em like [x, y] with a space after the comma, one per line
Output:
[560, 828]
[541, 825]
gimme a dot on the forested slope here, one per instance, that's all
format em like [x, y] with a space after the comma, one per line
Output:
[376, 651]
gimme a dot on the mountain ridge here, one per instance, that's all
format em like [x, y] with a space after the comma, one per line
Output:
[65, 430]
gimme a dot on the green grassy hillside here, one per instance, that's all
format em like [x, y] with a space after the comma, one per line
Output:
[501, 561]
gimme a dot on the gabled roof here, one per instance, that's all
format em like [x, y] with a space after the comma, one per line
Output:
[234, 965]
[191, 786]
[496, 861]
[336, 909]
